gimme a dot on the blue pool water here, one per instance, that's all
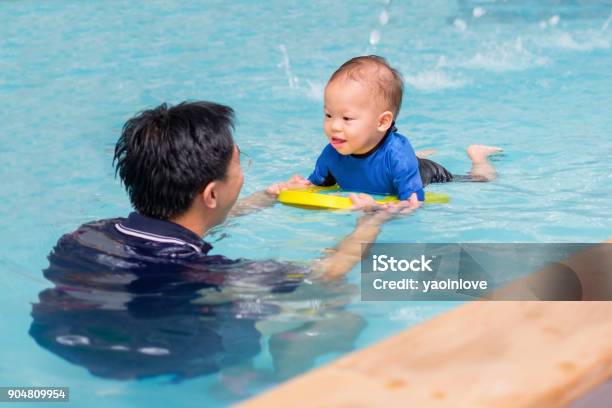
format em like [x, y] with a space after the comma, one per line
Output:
[533, 78]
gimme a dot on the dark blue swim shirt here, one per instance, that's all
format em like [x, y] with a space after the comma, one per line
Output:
[141, 297]
[391, 168]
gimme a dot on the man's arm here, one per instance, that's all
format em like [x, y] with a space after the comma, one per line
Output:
[339, 261]
[253, 203]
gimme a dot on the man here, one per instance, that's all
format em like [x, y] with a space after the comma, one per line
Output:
[141, 296]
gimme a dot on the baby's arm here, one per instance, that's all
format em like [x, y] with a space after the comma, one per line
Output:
[404, 171]
[296, 182]
[263, 199]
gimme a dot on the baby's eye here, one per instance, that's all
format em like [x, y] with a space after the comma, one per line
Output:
[327, 115]
[347, 118]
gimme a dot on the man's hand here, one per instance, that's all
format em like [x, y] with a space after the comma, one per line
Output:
[366, 202]
[296, 182]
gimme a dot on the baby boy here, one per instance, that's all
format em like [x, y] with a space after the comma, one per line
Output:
[365, 152]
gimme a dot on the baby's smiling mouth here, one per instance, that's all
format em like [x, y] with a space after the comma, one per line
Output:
[336, 141]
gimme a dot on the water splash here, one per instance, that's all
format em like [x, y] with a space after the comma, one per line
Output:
[286, 65]
[500, 57]
[568, 41]
[315, 90]
[430, 81]
[605, 25]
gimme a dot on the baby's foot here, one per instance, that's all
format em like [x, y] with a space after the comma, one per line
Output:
[479, 153]
[421, 154]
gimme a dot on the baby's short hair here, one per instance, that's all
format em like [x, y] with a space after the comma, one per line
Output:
[374, 70]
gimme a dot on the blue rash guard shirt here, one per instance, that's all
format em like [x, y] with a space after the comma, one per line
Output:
[390, 168]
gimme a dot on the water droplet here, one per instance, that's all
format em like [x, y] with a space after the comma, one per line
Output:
[384, 17]
[374, 37]
[478, 12]
[460, 24]
[554, 20]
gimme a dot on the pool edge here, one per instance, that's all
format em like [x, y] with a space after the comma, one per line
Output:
[502, 354]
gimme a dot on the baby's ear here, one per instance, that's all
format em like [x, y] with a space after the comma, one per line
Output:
[385, 120]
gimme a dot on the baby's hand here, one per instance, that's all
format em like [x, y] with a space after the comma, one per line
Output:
[363, 202]
[413, 201]
[403, 206]
[299, 181]
[296, 182]
[367, 203]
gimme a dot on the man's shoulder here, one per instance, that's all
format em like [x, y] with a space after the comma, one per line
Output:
[98, 250]
[83, 231]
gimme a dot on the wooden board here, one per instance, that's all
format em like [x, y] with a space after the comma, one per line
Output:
[482, 354]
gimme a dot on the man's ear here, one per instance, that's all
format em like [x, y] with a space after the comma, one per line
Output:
[385, 120]
[209, 195]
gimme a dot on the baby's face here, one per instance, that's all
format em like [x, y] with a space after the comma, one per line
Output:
[351, 117]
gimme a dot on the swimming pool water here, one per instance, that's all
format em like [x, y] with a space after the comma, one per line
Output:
[533, 78]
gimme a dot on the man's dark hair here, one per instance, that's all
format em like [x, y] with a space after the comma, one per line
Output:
[167, 155]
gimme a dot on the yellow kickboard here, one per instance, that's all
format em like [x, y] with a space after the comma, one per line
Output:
[311, 199]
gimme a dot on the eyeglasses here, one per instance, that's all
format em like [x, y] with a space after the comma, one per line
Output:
[245, 159]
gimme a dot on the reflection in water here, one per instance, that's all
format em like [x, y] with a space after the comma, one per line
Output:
[128, 315]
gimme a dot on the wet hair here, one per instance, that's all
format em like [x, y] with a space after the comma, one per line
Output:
[167, 155]
[375, 72]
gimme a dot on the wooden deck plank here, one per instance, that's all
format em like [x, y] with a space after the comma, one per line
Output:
[503, 354]
[482, 354]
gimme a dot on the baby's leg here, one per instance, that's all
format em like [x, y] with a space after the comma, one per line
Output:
[482, 169]
[421, 154]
